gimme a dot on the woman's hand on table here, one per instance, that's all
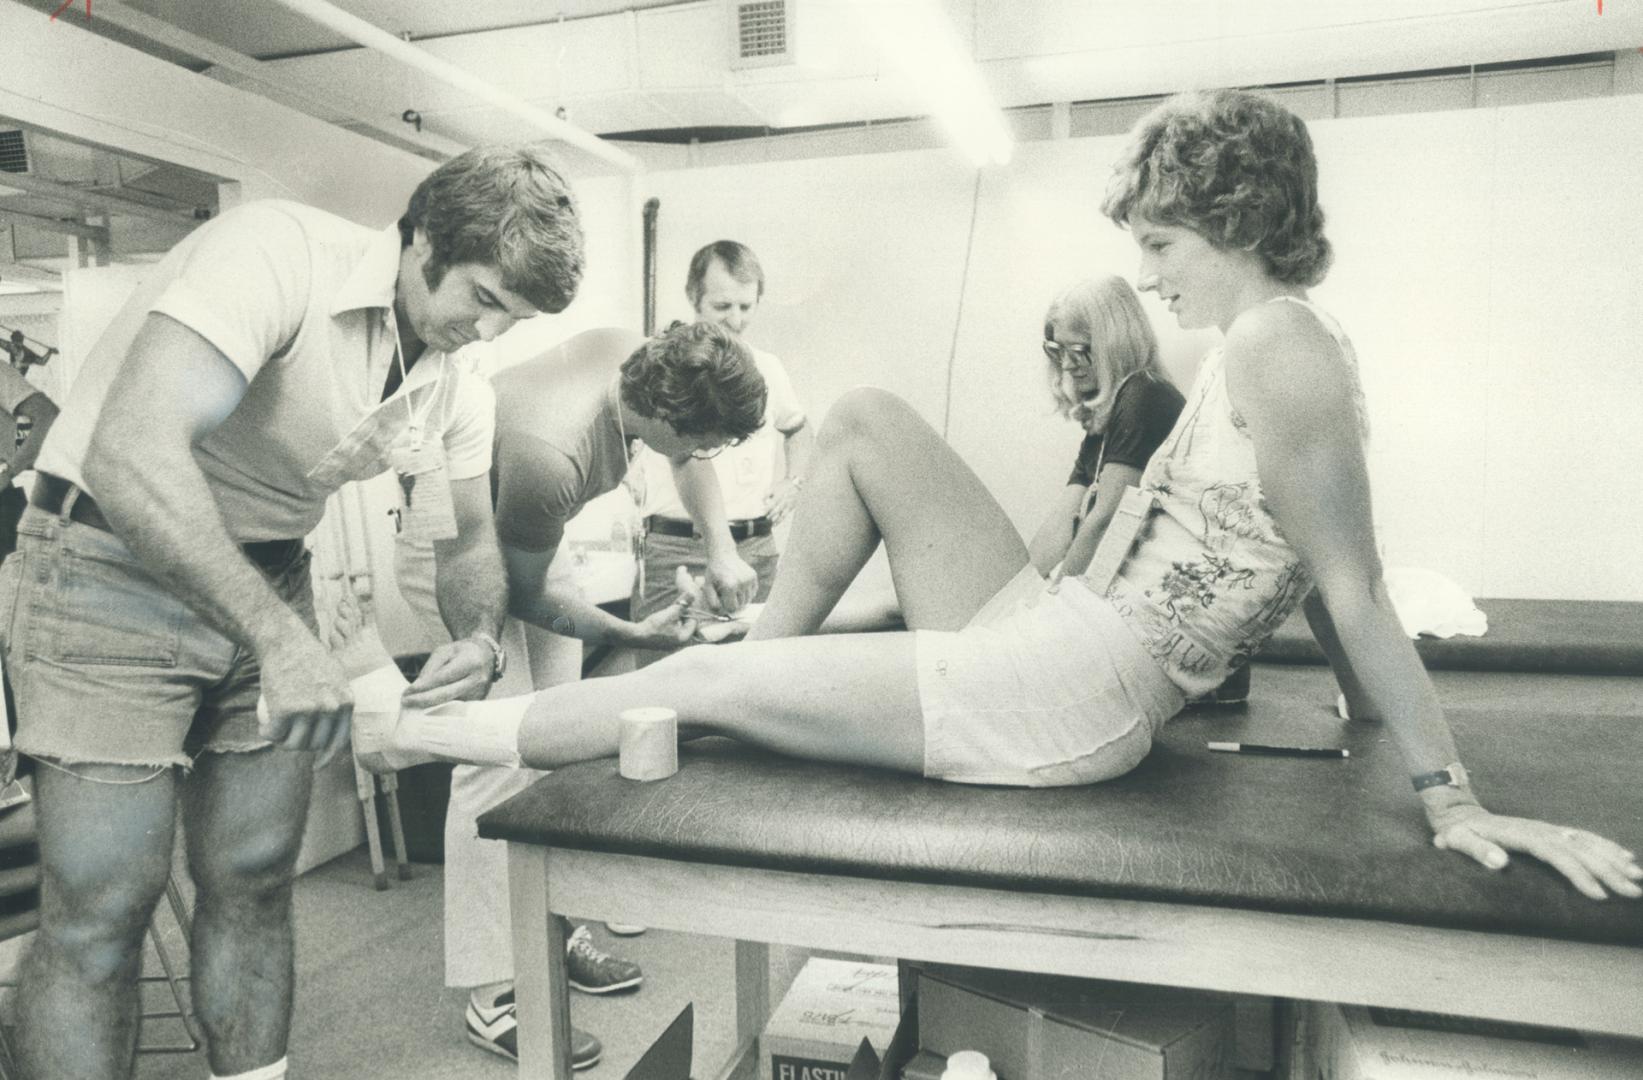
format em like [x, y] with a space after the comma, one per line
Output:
[1594, 864]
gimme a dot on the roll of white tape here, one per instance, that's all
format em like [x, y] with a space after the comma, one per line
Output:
[649, 748]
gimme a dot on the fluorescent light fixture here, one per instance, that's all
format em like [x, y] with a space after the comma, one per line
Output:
[917, 39]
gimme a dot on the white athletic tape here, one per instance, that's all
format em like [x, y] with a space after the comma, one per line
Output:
[649, 748]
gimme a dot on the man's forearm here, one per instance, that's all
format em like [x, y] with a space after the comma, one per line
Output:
[164, 512]
[796, 448]
[471, 588]
[698, 487]
[561, 607]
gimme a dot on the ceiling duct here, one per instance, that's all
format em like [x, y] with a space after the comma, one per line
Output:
[14, 152]
[761, 33]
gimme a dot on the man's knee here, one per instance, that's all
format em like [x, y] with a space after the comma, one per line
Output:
[94, 915]
[256, 868]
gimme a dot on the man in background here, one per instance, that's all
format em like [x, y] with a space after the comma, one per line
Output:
[760, 478]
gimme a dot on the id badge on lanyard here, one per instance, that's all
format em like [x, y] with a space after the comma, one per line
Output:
[425, 512]
[1119, 540]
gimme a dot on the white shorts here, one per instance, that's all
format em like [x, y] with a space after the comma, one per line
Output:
[1040, 689]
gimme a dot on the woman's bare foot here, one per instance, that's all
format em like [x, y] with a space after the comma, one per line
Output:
[378, 686]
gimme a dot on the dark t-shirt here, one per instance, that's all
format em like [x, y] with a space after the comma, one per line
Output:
[1142, 416]
[559, 439]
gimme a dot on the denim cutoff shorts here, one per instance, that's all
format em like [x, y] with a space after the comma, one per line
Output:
[108, 667]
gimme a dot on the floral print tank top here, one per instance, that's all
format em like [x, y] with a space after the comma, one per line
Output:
[1210, 577]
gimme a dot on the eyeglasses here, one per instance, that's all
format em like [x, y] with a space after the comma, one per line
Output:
[1070, 358]
[705, 453]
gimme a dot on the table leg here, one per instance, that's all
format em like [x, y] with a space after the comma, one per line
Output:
[540, 989]
[752, 1009]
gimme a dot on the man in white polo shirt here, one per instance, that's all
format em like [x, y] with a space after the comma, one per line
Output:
[160, 581]
[759, 478]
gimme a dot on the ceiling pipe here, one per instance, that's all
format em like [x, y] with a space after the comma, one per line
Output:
[101, 201]
[372, 37]
[97, 234]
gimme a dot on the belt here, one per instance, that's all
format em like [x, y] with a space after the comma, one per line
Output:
[740, 529]
[50, 492]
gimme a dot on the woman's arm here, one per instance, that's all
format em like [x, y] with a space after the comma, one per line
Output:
[1049, 545]
[1109, 492]
[1323, 630]
[1285, 377]
[1144, 410]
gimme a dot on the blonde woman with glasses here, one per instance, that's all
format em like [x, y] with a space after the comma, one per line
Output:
[1104, 374]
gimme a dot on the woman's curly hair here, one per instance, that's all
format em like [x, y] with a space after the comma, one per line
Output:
[1233, 166]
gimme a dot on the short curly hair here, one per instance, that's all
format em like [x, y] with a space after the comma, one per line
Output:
[699, 379]
[1236, 168]
[502, 206]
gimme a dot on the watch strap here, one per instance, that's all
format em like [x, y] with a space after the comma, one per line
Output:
[499, 659]
[1451, 775]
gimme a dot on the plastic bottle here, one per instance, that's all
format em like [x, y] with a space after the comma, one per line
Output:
[968, 1065]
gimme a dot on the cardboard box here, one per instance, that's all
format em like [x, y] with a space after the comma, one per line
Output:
[1354, 1042]
[1044, 1027]
[830, 1008]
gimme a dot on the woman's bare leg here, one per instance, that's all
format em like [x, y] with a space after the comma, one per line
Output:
[836, 697]
[881, 473]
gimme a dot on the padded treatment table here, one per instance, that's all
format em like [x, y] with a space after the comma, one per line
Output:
[1592, 637]
[1299, 878]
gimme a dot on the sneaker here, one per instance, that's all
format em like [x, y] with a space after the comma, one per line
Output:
[497, 1029]
[592, 970]
[626, 929]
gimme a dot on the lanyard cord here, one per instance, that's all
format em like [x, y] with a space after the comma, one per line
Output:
[620, 427]
[412, 421]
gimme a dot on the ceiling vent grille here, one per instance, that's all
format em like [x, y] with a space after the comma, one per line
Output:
[763, 31]
[14, 154]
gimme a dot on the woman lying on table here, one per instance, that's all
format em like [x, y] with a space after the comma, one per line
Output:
[1258, 499]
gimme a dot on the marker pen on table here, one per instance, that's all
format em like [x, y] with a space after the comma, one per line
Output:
[1280, 751]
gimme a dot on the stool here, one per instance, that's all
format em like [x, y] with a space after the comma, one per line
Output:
[184, 1010]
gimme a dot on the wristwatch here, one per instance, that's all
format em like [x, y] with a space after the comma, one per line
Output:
[501, 658]
[1452, 775]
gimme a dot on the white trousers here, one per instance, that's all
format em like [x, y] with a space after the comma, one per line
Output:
[478, 942]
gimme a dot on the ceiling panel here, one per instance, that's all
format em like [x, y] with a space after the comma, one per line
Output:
[262, 29]
[628, 65]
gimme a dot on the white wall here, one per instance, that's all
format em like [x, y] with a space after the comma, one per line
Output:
[1487, 268]
[864, 258]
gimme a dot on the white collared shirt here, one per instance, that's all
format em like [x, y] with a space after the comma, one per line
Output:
[300, 301]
